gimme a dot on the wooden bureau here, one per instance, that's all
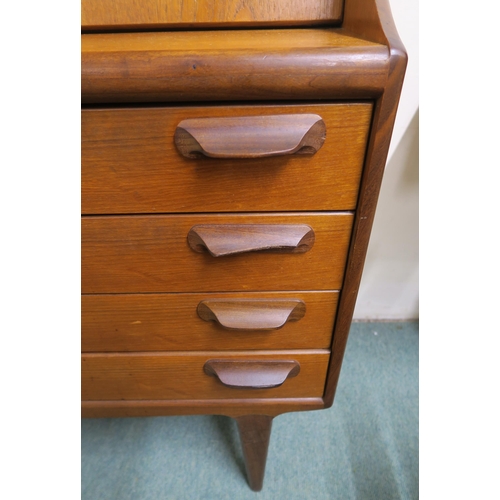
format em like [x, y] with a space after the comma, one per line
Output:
[231, 164]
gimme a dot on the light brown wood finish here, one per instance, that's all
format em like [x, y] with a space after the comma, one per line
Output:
[373, 21]
[228, 41]
[241, 65]
[170, 322]
[134, 14]
[255, 374]
[251, 314]
[179, 376]
[255, 431]
[130, 164]
[222, 240]
[250, 136]
[132, 254]
[169, 67]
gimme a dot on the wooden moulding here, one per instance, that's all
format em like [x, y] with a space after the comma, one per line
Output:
[233, 408]
[250, 136]
[244, 65]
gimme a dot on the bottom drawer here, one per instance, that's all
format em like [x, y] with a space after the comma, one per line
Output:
[204, 375]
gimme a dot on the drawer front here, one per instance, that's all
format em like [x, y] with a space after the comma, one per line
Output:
[133, 254]
[171, 322]
[160, 376]
[192, 13]
[130, 164]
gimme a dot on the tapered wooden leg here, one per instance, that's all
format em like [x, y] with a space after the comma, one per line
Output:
[255, 431]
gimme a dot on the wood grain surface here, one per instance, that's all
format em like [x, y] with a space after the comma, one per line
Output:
[230, 407]
[131, 254]
[255, 431]
[130, 14]
[242, 65]
[364, 59]
[250, 136]
[131, 165]
[170, 322]
[222, 240]
[177, 376]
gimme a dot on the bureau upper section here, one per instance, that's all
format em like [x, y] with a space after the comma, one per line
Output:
[302, 50]
[133, 14]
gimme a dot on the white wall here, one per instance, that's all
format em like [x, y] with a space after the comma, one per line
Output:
[389, 287]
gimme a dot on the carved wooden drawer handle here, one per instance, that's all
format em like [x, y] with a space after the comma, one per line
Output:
[229, 239]
[250, 136]
[252, 374]
[251, 314]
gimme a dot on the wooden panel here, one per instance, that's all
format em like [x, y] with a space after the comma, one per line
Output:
[169, 322]
[371, 19]
[151, 254]
[229, 407]
[231, 65]
[181, 376]
[130, 164]
[166, 13]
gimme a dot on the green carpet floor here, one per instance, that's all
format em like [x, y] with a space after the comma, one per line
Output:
[365, 447]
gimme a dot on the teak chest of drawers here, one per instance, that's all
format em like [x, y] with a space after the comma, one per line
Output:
[229, 184]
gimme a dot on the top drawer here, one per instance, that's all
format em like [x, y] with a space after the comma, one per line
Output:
[98, 14]
[130, 163]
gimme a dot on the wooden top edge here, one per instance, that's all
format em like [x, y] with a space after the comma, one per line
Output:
[213, 354]
[227, 40]
[207, 66]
